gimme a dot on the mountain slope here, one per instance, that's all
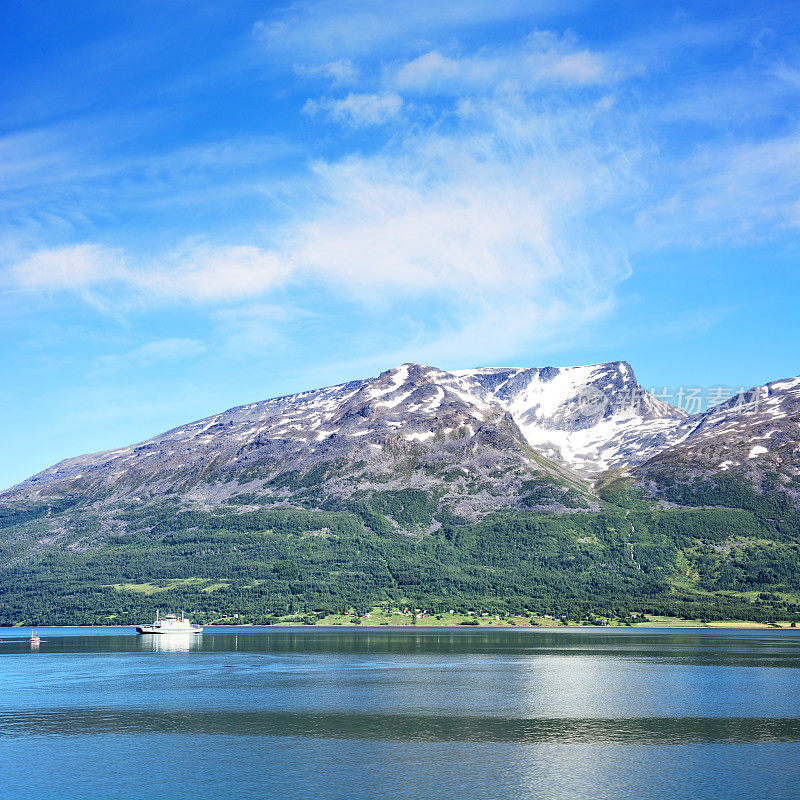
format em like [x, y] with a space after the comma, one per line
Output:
[479, 439]
[745, 450]
[412, 426]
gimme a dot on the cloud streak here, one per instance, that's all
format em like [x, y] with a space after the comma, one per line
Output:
[195, 272]
[358, 109]
[739, 194]
[155, 352]
[326, 28]
[543, 59]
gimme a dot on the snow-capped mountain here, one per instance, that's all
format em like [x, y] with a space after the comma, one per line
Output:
[408, 405]
[755, 434]
[412, 426]
[480, 435]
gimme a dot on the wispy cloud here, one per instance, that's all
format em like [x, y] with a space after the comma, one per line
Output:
[358, 109]
[491, 221]
[154, 352]
[543, 58]
[729, 193]
[342, 72]
[500, 186]
[327, 29]
[194, 272]
[60, 180]
[66, 268]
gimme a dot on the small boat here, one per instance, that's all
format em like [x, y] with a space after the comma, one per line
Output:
[170, 623]
[35, 639]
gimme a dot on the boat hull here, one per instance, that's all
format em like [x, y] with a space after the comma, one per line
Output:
[162, 631]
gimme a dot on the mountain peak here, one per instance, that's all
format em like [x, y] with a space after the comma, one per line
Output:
[590, 417]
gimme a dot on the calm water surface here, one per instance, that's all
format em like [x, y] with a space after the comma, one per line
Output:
[399, 713]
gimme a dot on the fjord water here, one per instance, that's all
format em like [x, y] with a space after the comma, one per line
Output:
[400, 713]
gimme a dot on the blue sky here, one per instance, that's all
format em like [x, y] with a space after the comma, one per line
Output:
[206, 204]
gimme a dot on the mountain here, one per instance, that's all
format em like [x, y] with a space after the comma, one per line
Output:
[742, 452]
[411, 427]
[563, 423]
[563, 489]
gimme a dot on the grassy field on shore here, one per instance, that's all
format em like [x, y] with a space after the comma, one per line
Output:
[380, 617]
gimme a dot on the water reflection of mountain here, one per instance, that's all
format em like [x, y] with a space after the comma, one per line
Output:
[171, 642]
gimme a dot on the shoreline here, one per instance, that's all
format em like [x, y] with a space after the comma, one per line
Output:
[688, 625]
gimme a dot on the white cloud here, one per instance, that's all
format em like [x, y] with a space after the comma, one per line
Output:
[66, 268]
[493, 226]
[490, 222]
[582, 68]
[203, 273]
[341, 72]
[543, 59]
[434, 69]
[496, 209]
[358, 109]
[193, 273]
[458, 225]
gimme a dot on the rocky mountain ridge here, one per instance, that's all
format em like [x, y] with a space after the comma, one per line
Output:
[752, 438]
[487, 437]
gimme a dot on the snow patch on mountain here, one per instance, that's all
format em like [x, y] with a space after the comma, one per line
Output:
[590, 418]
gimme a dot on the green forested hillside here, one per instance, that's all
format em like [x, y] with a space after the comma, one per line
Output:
[71, 565]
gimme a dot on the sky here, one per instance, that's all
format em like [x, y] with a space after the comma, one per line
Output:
[208, 204]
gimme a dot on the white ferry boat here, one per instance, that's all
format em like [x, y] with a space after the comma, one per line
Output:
[170, 623]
